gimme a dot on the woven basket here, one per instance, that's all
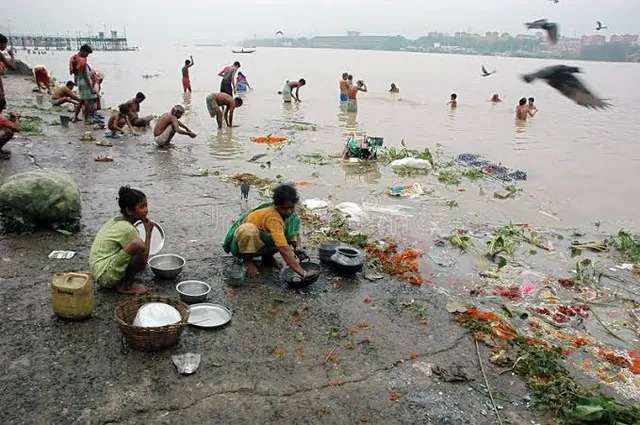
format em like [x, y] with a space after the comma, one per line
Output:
[150, 339]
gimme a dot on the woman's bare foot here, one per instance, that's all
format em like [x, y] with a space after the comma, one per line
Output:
[252, 269]
[270, 260]
[135, 289]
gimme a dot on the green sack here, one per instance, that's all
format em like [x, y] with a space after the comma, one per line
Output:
[34, 199]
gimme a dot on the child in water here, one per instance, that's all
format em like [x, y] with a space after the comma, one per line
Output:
[454, 101]
[242, 84]
[118, 253]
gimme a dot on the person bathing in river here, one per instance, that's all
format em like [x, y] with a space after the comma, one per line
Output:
[217, 101]
[117, 122]
[117, 253]
[496, 98]
[533, 108]
[352, 103]
[344, 87]
[186, 80]
[454, 101]
[242, 84]
[64, 94]
[270, 228]
[394, 88]
[228, 74]
[287, 91]
[522, 110]
[168, 125]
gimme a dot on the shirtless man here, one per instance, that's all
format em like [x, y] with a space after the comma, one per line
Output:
[228, 74]
[454, 101]
[352, 103]
[168, 125]
[533, 108]
[217, 101]
[522, 110]
[344, 87]
[394, 88]
[134, 111]
[64, 94]
[186, 81]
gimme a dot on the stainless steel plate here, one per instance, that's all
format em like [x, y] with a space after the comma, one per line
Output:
[208, 315]
[157, 237]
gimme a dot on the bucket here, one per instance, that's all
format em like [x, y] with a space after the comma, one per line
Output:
[235, 275]
[72, 295]
[40, 99]
[64, 121]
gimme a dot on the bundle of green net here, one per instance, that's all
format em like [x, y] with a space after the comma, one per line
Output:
[39, 199]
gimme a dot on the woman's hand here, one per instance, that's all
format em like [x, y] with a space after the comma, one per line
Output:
[148, 225]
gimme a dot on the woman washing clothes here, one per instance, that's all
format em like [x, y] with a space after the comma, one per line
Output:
[268, 229]
[118, 253]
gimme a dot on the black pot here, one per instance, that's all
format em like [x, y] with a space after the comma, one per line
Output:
[347, 260]
[293, 279]
[326, 249]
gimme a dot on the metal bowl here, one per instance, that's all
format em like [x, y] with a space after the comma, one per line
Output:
[193, 291]
[167, 266]
[294, 280]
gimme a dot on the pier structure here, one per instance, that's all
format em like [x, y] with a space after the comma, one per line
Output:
[100, 41]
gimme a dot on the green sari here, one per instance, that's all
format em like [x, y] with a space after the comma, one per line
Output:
[291, 229]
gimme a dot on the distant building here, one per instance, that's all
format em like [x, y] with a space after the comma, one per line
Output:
[631, 39]
[353, 33]
[593, 40]
[567, 45]
[351, 42]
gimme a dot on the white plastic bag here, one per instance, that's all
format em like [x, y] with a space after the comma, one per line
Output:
[420, 164]
[153, 315]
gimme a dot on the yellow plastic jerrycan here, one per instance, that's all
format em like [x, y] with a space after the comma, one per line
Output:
[72, 295]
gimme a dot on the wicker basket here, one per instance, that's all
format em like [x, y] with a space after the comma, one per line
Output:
[150, 339]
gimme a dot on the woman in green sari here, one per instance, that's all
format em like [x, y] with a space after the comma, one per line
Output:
[266, 230]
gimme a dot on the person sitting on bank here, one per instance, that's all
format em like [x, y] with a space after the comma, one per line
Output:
[118, 254]
[168, 125]
[64, 94]
[42, 77]
[8, 127]
[266, 230]
[117, 122]
[134, 111]
[217, 101]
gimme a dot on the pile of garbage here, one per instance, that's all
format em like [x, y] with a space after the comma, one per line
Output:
[497, 171]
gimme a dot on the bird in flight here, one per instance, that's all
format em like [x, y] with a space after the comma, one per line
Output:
[485, 73]
[561, 78]
[279, 32]
[600, 27]
[550, 27]
[555, 1]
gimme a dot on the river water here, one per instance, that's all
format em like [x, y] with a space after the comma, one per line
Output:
[582, 165]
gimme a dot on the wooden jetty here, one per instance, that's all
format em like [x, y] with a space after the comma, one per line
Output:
[68, 42]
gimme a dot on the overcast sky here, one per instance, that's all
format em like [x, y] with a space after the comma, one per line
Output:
[186, 21]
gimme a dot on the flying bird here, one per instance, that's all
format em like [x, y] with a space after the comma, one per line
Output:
[550, 27]
[279, 32]
[561, 78]
[600, 27]
[244, 190]
[555, 1]
[486, 73]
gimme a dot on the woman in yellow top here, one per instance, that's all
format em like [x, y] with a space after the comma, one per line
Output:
[268, 229]
[118, 253]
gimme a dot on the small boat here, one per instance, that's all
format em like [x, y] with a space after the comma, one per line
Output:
[243, 50]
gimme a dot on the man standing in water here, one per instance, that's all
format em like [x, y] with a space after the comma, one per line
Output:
[186, 81]
[532, 107]
[4, 62]
[228, 74]
[352, 103]
[344, 87]
[217, 101]
[522, 110]
[168, 125]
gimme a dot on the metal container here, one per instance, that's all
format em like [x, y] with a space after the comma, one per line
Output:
[291, 278]
[348, 260]
[167, 266]
[326, 249]
[193, 291]
[235, 275]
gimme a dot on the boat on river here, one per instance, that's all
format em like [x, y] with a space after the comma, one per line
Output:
[243, 50]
